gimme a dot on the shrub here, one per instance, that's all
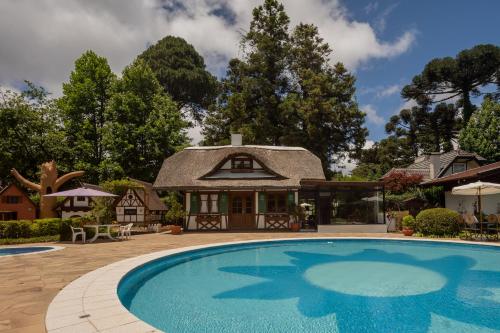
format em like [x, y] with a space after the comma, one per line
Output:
[45, 227]
[15, 229]
[409, 222]
[438, 221]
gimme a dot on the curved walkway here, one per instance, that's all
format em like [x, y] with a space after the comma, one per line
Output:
[29, 283]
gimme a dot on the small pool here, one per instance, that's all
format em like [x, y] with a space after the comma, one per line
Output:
[11, 251]
[336, 285]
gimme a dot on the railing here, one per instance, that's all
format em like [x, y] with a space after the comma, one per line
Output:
[276, 221]
[208, 221]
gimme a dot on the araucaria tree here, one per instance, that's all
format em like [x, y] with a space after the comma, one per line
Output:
[426, 130]
[143, 125]
[463, 76]
[285, 92]
[83, 104]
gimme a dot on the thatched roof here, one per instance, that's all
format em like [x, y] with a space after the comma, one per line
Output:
[186, 169]
[153, 200]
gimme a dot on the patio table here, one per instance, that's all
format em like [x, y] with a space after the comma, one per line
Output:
[98, 233]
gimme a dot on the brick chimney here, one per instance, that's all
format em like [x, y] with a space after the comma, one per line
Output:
[435, 165]
[236, 139]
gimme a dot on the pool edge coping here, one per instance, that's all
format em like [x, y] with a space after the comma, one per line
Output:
[53, 248]
[91, 302]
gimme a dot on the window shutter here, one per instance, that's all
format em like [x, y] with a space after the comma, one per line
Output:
[223, 203]
[291, 199]
[262, 202]
[194, 203]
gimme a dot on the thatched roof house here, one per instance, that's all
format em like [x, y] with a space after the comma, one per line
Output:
[255, 187]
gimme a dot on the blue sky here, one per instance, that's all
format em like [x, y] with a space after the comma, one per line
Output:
[443, 28]
[384, 42]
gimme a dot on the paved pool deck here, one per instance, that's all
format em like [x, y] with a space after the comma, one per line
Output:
[29, 283]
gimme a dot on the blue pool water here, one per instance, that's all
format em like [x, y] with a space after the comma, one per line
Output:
[7, 251]
[320, 286]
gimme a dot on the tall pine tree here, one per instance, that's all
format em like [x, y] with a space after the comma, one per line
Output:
[284, 91]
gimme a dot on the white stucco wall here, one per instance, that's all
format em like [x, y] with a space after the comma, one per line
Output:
[490, 204]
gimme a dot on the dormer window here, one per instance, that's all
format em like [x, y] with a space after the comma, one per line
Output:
[459, 167]
[241, 164]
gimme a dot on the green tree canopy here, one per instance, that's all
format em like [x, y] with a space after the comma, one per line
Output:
[482, 133]
[144, 125]
[30, 131]
[390, 152]
[285, 92]
[84, 101]
[462, 76]
[425, 130]
[181, 71]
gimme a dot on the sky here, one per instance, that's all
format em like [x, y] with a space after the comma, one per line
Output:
[384, 43]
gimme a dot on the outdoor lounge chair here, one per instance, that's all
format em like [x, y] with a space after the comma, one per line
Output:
[493, 226]
[471, 226]
[76, 232]
[126, 231]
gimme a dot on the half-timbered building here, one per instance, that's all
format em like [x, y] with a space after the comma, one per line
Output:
[140, 205]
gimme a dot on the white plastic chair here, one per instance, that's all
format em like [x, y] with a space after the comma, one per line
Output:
[76, 232]
[126, 231]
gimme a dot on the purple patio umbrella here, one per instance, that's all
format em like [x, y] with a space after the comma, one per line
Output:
[81, 192]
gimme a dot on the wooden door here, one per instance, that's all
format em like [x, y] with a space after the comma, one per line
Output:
[241, 210]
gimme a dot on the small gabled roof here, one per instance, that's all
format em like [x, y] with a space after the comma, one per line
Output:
[471, 174]
[188, 169]
[154, 201]
[2, 190]
[421, 165]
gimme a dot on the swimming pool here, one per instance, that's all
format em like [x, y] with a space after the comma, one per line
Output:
[320, 286]
[20, 250]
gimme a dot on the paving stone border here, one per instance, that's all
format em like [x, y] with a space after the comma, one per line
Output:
[90, 304]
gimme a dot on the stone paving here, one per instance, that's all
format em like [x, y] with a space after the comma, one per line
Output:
[29, 283]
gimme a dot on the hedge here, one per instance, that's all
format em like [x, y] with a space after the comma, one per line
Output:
[40, 228]
[438, 222]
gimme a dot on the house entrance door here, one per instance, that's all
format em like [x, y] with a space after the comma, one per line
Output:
[241, 211]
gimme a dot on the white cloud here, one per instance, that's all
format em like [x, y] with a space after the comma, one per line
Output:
[389, 91]
[372, 115]
[194, 133]
[406, 105]
[346, 165]
[41, 39]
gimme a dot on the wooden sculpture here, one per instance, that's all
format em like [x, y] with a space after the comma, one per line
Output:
[49, 183]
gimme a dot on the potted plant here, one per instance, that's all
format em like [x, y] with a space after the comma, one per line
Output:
[408, 225]
[298, 215]
[175, 229]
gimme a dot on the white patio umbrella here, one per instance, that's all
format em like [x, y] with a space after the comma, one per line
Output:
[82, 192]
[478, 188]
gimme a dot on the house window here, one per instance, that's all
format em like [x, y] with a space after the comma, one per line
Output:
[276, 203]
[12, 199]
[8, 216]
[80, 198]
[459, 167]
[130, 211]
[241, 163]
[209, 203]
